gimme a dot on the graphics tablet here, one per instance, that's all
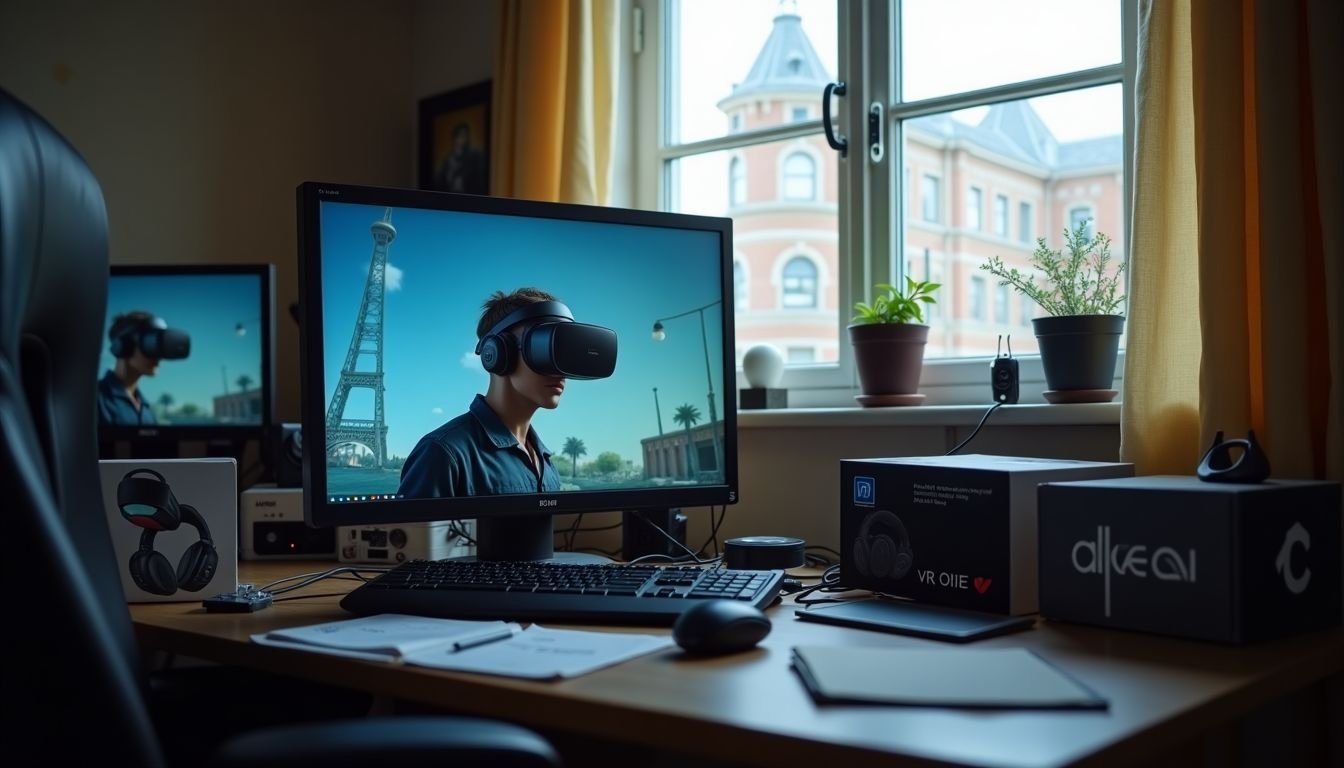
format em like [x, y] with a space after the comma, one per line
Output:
[930, 621]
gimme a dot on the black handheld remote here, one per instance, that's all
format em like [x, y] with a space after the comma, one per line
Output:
[1003, 380]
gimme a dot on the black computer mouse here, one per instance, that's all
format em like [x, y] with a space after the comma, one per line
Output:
[713, 627]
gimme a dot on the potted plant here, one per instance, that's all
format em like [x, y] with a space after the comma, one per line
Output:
[1080, 293]
[888, 338]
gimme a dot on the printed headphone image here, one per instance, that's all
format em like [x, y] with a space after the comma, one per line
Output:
[558, 346]
[154, 338]
[149, 503]
[877, 554]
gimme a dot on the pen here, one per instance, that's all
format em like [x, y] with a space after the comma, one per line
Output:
[460, 645]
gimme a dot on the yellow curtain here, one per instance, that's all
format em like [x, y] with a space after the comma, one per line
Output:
[554, 100]
[1237, 282]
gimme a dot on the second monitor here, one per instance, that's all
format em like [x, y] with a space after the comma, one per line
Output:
[507, 360]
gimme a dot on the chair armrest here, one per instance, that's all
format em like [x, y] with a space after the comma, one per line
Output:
[406, 741]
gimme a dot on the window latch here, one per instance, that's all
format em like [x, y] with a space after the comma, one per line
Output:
[876, 151]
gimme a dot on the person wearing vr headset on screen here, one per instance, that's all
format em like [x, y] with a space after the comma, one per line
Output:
[139, 341]
[531, 345]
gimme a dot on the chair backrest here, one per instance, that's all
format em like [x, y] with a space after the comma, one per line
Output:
[71, 674]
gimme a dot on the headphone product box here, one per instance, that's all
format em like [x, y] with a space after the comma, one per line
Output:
[958, 531]
[174, 526]
[1227, 562]
[271, 526]
[400, 542]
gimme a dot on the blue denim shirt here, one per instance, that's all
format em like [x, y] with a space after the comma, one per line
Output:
[475, 455]
[115, 407]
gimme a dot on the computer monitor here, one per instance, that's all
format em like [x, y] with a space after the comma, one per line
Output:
[629, 346]
[188, 356]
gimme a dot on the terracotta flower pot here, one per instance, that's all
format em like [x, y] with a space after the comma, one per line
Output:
[889, 356]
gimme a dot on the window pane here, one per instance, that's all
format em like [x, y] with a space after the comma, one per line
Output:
[729, 55]
[1060, 157]
[973, 209]
[800, 177]
[787, 250]
[949, 46]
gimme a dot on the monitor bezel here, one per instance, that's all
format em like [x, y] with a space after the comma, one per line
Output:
[209, 432]
[320, 512]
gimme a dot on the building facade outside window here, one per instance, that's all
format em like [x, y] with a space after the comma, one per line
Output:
[1001, 304]
[1043, 128]
[1083, 215]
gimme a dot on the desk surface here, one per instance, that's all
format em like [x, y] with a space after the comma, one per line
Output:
[752, 709]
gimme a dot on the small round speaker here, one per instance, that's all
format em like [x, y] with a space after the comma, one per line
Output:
[757, 553]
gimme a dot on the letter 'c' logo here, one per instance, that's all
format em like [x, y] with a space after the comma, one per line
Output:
[1297, 584]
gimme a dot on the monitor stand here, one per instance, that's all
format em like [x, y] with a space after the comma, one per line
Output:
[524, 537]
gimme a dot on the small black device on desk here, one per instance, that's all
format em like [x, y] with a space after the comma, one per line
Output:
[935, 622]
[713, 627]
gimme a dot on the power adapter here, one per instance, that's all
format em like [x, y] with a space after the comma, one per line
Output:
[1003, 376]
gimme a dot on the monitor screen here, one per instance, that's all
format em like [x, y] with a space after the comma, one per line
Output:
[187, 354]
[476, 357]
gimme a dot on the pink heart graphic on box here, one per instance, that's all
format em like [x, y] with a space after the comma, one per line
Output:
[981, 585]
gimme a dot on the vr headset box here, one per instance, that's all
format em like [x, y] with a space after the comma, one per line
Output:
[1232, 563]
[958, 531]
[174, 526]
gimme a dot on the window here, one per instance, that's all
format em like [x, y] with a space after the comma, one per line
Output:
[973, 209]
[1001, 301]
[798, 114]
[800, 177]
[799, 283]
[1044, 126]
[1082, 215]
[1001, 215]
[800, 355]
[1028, 310]
[930, 198]
[976, 299]
[739, 285]
[737, 182]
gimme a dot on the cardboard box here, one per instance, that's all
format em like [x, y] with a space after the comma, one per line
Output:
[1179, 556]
[174, 526]
[955, 530]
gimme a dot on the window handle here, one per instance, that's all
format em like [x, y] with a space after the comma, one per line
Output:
[875, 149]
[838, 142]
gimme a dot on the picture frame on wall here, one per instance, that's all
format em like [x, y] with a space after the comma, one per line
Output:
[455, 140]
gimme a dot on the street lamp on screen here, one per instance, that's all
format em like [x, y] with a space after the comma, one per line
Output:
[660, 334]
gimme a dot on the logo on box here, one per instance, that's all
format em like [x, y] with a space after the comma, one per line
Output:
[1102, 557]
[865, 492]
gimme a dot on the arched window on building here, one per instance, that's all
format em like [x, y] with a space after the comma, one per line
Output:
[739, 285]
[1080, 215]
[737, 181]
[800, 177]
[800, 284]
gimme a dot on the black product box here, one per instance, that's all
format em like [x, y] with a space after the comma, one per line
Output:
[958, 531]
[1179, 556]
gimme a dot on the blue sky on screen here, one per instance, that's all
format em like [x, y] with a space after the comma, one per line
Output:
[443, 265]
[209, 308]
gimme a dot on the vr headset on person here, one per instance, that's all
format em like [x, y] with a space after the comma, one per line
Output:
[154, 339]
[557, 346]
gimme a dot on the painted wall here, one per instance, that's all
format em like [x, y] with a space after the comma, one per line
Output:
[200, 119]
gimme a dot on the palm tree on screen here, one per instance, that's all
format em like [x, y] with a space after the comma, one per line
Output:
[687, 415]
[244, 382]
[574, 448]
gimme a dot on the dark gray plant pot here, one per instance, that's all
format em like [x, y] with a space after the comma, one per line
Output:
[1078, 351]
[889, 356]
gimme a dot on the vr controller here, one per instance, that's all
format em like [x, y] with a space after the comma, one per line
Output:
[557, 346]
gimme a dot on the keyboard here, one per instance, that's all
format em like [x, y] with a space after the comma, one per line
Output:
[563, 592]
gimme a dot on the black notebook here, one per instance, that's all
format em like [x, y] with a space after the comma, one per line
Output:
[917, 619]
[988, 678]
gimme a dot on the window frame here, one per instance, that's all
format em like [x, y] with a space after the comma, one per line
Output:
[871, 225]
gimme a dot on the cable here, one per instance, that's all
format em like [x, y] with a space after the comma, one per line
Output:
[714, 524]
[975, 431]
[677, 559]
[827, 550]
[305, 579]
[456, 528]
[669, 537]
[307, 597]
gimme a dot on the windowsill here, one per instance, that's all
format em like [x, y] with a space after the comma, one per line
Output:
[1026, 414]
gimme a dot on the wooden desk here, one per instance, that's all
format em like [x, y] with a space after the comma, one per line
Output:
[751, 708]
